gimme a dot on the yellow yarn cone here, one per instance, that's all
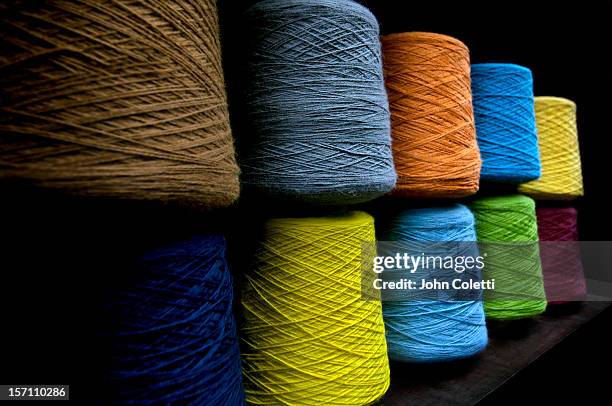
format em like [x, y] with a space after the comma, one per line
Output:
[310, 338]
[558, 140]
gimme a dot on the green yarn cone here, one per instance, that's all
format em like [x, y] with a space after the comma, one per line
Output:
[513, 257]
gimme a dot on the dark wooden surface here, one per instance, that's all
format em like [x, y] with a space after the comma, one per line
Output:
[512, 347]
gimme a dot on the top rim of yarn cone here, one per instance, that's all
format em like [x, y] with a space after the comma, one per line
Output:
[557, 210]
[345, 5]
[443, 214]
[355, 217]
[505, 200]
[555, 99]
[425, 35]
[508, 65]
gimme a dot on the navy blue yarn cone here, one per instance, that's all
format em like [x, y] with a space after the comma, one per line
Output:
[172, 332]
[316, 103]
[505, 122]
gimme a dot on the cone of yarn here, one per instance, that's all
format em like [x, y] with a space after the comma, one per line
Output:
[558, 139]
[428, 330]
[171, 330]
[121, 101]
[505, 122]
[316, 103]
[507, 227]
[561, 262]
[434, 139]
[310, 338]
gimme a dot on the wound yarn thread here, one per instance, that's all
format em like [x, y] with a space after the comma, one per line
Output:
[310, 338]
[508, 227]
[434, 139]
[316, 103]
[117, 100]
[558, 140]
[505, 122]
[428, 330]
[564, 279]
[171, 329]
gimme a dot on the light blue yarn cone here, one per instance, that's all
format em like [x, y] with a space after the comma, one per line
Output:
[433, 330]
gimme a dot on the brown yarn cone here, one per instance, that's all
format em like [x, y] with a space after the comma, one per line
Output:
[434, 137]
[118, 99]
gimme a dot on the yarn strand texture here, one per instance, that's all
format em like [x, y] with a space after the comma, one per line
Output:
[564, 279]
[434, 138]
[316, 103]
[428, 330]
[509, 224]
[505, 122]
[173, 334]
[119, 100]
[558, 138]
[310, 338]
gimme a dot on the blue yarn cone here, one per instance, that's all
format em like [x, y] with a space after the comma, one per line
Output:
[505, 122]
[171, 329]
[316, 103]
[433, 330]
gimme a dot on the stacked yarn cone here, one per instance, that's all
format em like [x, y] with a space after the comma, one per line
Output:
[434, 139]
[508, 118]
[560, 183]
[320, 135]
[316, 104]
[507, 229]
[505, 122]
[117, 102]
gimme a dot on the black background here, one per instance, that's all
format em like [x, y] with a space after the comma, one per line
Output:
[58, 252]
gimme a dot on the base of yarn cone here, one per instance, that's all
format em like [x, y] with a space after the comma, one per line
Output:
[519, 309]
[340, 195]
[519, 176]
[539, 194]
[435, 192]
